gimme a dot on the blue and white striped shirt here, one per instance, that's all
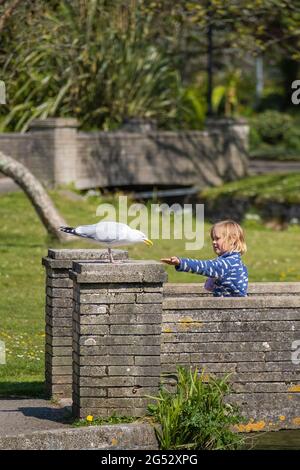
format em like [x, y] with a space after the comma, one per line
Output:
[229, 273]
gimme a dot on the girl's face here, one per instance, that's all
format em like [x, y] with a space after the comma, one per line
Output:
[218, 242]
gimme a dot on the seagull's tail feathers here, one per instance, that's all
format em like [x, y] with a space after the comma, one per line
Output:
[71, 230]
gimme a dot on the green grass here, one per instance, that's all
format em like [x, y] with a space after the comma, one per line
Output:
[272, 256]
[284, 188]
[101, 421]
[274, 153]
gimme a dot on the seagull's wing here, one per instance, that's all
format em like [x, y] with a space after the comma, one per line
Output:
[87, 231]
[111, 232]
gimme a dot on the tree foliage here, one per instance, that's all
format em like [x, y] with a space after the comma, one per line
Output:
[102, 60]
[83, 60]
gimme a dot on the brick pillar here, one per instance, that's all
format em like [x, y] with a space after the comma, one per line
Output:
[59, 309]
[116, 336]
[235, 134]
[62, 133]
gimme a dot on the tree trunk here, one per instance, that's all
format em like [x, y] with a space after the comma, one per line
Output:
[37, 195]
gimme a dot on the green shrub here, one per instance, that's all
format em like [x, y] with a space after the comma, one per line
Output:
[271, 126]
[255, 139]
[275, 136]
[196, 416]
[292, 137]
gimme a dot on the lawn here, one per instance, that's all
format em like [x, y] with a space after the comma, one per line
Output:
[283, 188]
[272, 256]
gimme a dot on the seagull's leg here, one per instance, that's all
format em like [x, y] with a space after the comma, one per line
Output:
[110, 255]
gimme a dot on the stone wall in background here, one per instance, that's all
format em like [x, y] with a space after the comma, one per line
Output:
[57, 153]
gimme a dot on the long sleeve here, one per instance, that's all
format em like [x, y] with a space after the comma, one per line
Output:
[216, 268]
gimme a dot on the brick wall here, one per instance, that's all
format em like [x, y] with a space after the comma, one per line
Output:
[172, 158]
[59, 316]
[57, 153]
[128, 328]
[251, 338]
[116, 337]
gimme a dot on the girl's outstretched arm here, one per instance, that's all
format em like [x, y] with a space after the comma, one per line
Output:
[216, 268]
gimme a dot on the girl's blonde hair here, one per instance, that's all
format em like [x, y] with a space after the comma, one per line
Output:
[233, 235]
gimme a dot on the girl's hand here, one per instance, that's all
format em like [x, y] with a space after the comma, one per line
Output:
[173, 261]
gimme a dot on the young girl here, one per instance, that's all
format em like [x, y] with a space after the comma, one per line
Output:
[227, 275]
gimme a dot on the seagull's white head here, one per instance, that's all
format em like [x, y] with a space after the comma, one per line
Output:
[138, 236]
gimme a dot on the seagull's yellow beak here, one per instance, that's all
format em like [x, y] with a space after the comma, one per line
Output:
[148, 242]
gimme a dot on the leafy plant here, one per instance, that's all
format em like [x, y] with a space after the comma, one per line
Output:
[84, 60]
[274, 135]
[196, 416]
[225, 97]
[291, 137]
[271, 126]
[194, 106]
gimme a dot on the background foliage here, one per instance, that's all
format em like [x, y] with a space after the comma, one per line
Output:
[103, 61]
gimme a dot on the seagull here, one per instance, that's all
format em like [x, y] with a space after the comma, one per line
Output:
[109, 234]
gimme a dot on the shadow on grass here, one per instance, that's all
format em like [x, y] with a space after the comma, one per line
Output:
[22, 389]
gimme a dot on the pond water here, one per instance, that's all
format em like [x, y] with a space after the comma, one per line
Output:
[276, 440]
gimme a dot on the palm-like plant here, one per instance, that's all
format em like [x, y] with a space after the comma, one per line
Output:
[81, 60]
[226, 95]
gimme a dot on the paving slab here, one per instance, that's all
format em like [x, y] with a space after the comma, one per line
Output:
[37, 424]
[18, 416]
